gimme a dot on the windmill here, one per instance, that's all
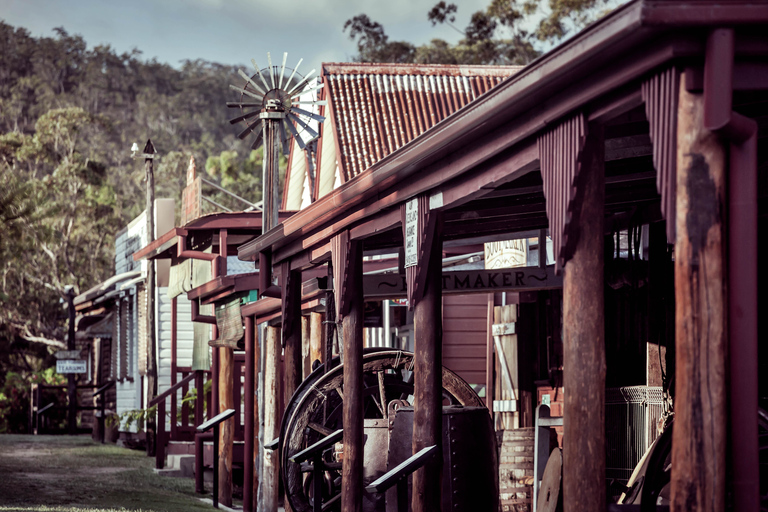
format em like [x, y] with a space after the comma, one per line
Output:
[281, 100]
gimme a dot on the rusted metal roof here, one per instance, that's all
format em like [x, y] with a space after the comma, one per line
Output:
[660, 94]
[559, 152]
[377, 108]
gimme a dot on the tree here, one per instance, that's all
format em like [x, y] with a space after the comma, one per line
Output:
[506, 32]
[68, 116]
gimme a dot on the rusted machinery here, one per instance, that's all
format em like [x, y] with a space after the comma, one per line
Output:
[470, 468]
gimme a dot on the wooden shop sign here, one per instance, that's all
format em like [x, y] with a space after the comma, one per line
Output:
[472, 281]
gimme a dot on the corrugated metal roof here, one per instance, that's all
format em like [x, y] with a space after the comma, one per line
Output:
[377, 108]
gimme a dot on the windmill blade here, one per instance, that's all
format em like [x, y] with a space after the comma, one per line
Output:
[304, 125]
[294, 72]
[244, 91]
[243, 117]
[282, 70]
[283, 139]
[306, 113]
[248, 79]
[319, 103]
[271, 70]
[248, 129]
[258, 72]
[307, 91]
[257, 140]
[239, 104]
[302, 83]
[296, 135]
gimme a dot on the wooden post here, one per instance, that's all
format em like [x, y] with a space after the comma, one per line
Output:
[352, 325]
[315, 338]
[270, 174]
[306, 362]
[699, 439]
[227, 430]
[71, 383]
[270, 476]
[292, 334]
[251, 416]
[428, 367]
[584, 343]
[506, 315]
[149, 152]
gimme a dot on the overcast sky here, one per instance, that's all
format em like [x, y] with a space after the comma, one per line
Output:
[230, 31]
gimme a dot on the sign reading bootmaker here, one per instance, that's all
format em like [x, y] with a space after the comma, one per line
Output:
[473, 281]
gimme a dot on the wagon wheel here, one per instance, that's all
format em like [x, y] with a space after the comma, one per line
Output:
[316, 410]
[762, 431]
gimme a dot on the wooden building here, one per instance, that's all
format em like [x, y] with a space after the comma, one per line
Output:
[653, 116]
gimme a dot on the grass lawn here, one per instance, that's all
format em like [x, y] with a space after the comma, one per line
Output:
[68, 474]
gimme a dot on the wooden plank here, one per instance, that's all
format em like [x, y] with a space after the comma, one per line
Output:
[699, 439]
[465, 364]
[476, 324]
[584, 342]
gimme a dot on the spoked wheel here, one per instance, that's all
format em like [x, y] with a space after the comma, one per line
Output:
[316, 410]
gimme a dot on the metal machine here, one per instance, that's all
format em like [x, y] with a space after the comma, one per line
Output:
[470, 468]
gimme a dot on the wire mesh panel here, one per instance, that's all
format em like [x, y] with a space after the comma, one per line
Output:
[632, 415]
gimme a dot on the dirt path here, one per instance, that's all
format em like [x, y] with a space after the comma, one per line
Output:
[62, 474]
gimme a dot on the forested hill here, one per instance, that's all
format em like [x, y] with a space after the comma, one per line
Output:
[68, 117]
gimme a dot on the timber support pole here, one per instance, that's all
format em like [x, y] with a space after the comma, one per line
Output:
[149, 156]
[71, 382]
[227, 428]
[584, 364]
[699, 438]
[251, 417]
[740, 134]
[292, 334]
[428, 371]
[352, 328]
[270, 476]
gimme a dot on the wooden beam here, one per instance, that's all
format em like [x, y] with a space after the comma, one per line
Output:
[270, 476]
[428, 365]
[584, 343]
[699, 439]
[352, 325]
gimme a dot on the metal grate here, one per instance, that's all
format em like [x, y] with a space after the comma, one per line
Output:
[631, 417]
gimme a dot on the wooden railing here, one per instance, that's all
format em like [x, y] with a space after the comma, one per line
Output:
[178, 429]
[39, 415]
[182, 423]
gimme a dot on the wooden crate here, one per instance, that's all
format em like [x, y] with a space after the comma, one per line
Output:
[516, 469]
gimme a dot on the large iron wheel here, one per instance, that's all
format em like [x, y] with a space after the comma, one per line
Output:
[316, 410]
